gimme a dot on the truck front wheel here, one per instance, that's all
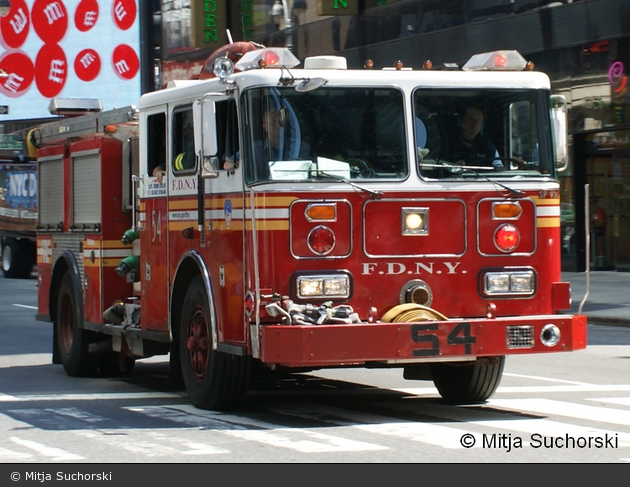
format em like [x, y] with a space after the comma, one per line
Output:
[213, 379]
[465, 383]
[72, 340]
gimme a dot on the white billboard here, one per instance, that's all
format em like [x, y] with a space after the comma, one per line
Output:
[68, 49]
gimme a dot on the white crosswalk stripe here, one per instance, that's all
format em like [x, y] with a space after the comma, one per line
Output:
[311, 427]
[253, 430]
[568, 409]
[7, 455]
[50, 452]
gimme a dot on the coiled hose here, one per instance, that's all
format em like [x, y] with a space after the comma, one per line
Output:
[412, 312]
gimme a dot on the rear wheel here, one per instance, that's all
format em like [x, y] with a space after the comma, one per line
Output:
[11, 258]
[468, 383]
[213, 379]
[72, 340]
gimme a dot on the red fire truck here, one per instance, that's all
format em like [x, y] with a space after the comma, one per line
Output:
[292, 219]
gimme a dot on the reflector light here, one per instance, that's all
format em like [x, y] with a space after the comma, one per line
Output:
[321, 240]
[496, 60]
[270, 57]
[506, 210]
[321, 212]
[507, 237]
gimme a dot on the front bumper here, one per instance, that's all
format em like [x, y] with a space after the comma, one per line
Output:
[425, 341]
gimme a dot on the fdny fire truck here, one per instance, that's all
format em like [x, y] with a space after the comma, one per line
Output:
[280, 219]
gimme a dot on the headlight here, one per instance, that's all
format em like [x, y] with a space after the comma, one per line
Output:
[329, 286]
[506, 283]
[415, 221]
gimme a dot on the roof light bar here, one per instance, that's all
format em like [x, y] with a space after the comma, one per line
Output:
[269, 57]
[496, 61]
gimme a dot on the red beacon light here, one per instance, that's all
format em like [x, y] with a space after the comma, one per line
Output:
[496, 61]
[269, 57]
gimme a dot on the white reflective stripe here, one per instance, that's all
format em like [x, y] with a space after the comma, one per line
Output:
[106, 253]
[547, 210]
[269, 213]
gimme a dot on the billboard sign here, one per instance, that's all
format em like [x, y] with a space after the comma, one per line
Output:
[68, 49]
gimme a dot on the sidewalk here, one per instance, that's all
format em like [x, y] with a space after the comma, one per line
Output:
[608, 300]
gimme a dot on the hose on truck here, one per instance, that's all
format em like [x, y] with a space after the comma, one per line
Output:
[412, 312]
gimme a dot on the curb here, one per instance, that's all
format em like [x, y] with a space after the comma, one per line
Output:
[608, 321]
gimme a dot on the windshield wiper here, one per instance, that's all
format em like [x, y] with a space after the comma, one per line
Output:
[458, 169]
[513, 192]
[372, 192]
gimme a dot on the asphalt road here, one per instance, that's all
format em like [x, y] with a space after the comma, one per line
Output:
[556, 408]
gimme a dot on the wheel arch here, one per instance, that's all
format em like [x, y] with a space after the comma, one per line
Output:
[190, 265]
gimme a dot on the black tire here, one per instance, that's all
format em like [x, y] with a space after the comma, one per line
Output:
[214, 380]
[12, 257]
[72, 341]
[468, 383]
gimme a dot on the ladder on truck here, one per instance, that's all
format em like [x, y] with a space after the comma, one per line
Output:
[77, 126]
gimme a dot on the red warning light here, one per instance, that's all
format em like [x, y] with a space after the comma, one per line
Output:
[500, 61]
[271, 58]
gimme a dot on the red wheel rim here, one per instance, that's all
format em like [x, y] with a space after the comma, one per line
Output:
[67, 324]
[197, 343]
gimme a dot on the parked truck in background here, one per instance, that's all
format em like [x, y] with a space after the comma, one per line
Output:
[18, 217]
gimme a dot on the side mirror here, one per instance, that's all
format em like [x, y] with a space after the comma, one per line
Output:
[559, 121]
[206, 146]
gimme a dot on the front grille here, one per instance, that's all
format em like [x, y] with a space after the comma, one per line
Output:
[521, 336]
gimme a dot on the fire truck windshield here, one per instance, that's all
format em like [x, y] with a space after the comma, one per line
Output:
[348, 133]
[490, 133]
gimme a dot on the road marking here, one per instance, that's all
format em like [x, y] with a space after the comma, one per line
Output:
[315, 442]
[546, 379]
[135, 441]
[10, 455]
[24, 306]
[251, 429]
[621, 401]
[426, 391]
[484, 416]
[127, 396]
[567, 409]
[56, 454]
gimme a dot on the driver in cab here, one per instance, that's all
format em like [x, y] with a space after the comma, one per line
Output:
[470, 147]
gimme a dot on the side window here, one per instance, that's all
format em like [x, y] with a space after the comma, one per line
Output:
[183, 150]
[156, 142]
[227, 131]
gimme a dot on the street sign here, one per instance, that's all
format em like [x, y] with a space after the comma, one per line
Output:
[4, 109]
[11, 142]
